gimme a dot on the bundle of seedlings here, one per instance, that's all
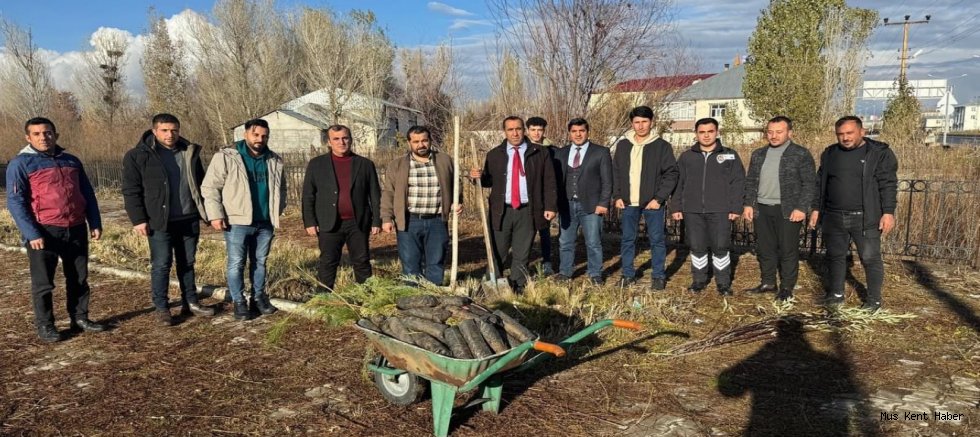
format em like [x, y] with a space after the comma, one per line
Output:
[452, 326]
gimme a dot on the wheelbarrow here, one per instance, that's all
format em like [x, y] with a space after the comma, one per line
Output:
[401, 369]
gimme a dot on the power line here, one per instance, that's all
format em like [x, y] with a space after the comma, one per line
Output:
[905, 42]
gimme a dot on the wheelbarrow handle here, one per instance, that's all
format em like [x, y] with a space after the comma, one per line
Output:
[626, 324]
[553, 349]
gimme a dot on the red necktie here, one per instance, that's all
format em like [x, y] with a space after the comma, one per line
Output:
[577, 161]
[516, 170]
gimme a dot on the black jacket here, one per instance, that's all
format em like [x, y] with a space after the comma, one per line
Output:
[797, 179]
[658, 176]
[879, 189]
[540, 170]
[712, 184]
[146, 194]
[321, 193]
[595, 180]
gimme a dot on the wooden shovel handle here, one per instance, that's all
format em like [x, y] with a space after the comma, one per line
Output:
[553, 349]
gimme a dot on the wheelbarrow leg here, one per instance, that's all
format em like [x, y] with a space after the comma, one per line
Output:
[443, 398]
[492, 390]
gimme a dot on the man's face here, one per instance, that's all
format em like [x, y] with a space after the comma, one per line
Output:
[340, 142]
[166, 134]
[257, 138]
[707, 134]
[778, 133]
[850, 135]
[535, 133]
[419, 142]
[514, 129]
[642, 126]
[578, 134]
[41, 136]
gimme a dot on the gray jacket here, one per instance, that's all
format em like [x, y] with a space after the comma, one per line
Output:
[797, 179]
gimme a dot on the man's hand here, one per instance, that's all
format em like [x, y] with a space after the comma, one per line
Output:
[732, 216]
[797, 216]
[601, 210]
[96, 234]
[548, 215]
[653, 204]
[748, 213]
[219, 224]
[37, 244]
[141, 229]
[388, 227]
[814, 217]
[886, 224]
[475, 173]
[312, 231]
[375, 230]
[677, 216]
[458, 208]
[620, 204]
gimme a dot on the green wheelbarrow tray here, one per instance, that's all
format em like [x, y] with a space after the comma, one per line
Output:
[401, 363]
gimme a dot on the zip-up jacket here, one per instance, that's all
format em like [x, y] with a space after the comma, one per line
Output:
[49, 190]
[708, 184]
[879, 186]
[146, 194]
[658, 176]
[797, 179]
[226, 189]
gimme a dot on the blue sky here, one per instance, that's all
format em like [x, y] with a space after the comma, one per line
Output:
[716, 31]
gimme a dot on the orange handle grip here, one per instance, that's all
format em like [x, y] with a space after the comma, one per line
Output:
[626, 324]
[553, 349]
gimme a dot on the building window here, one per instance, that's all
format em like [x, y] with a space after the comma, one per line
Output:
[717, 111]
[681, 110]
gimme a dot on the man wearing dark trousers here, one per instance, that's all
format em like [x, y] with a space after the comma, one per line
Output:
[856, 198]
[161, 190]
[535, 133]
[644, 175]
[708, 198]
[341, 206]
[51, 201]
[584, 190]
[521, 178]
[779, 189]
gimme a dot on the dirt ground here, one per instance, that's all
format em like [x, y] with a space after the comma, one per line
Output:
[216, 376]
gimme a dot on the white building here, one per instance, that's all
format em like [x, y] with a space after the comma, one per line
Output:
[966, 117]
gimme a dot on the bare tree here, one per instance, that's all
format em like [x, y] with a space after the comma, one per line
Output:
[845, 32]
[426, 87]
[27, 91]
[164, 70]
[508, 89]
[102, 93]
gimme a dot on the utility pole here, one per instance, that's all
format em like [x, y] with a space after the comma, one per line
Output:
[905, 42]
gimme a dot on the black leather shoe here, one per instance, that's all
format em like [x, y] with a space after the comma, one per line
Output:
[200, 310]
[834, 300]
[517, 289]
[598, 281]
[784, 295]
[626, 282]
[242, 312]
[697, 287]
[871, 306]
[265, 307]
[164, 317]
[725, 291]
[48, 334]
[87, 325]
[658, 284]
[560, 278]
[761, 288]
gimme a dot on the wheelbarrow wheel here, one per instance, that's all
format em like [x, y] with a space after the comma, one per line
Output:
[402, 390]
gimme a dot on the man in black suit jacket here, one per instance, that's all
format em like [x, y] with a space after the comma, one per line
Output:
[341, 205]
[522, 196]
[584, 190]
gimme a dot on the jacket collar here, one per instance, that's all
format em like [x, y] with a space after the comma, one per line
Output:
[718, 147]
[150, 142]
[30, 150]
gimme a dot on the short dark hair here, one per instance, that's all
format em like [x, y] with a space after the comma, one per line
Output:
[641, 111]
[256, 122]
[707, 120]
[578, 122]
[419, 130]
[537, 121]
[782, 119]
[503, 125]
[840, 121]
[165, 118]
[339, 127]
[39, 120]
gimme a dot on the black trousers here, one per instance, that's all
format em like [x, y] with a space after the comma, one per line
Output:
[71, 245]
[332, 245]
[839, 228]
[710, 233]
[777, 244]
[514, 237]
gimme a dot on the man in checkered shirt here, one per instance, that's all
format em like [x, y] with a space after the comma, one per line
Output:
[416, 199]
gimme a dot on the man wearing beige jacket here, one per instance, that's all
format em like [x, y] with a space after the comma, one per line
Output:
[416, 198]
[244, 194]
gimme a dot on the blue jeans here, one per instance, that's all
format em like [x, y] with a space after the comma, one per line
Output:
[178, 241]
[253, 242]
[422, 248]
[591, 224]
[654, 220]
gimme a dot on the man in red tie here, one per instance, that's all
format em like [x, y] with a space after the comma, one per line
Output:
[523, 199]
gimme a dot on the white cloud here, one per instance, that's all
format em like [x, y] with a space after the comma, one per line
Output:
[459, 24]
[448, 10]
